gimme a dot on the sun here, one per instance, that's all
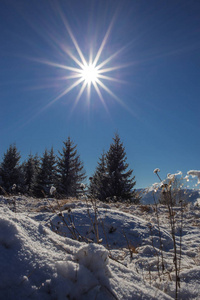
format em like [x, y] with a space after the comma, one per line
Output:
[89, 74]
[92, 73]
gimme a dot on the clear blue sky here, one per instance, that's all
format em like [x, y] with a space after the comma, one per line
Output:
[156, 106]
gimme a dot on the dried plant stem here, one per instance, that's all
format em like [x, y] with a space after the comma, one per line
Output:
[94, 222]
[159, 232]
[128, 244]
[157, 255]
[168, 197]
[5, 193]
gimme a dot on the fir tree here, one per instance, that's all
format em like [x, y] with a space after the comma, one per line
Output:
[11, 170]
[30, 169]
[112, 179]
[120, 180]
[70, 170]
[99, 181]
[52, 175]
[47, 174]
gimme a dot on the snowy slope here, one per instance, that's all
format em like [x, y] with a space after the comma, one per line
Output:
[40, 260]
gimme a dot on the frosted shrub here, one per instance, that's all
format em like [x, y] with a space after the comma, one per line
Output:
[52, 190]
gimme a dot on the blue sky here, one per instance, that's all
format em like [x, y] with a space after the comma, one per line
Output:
[155, 67]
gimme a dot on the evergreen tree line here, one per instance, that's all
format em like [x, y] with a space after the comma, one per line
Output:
[63, 174]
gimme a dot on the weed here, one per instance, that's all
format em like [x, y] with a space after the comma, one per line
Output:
[169, 195]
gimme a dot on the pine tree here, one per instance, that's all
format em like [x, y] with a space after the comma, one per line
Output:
[30, 169]
[11, 170]
[47, 174]
[112, 179]
[52, 175]
[1, 180]
[70, 169]
[99, 181]
[120, 183]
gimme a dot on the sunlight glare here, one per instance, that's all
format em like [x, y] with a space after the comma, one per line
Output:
[89, 73]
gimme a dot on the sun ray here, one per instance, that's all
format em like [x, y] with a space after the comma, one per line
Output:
[75, 59]
[78, 75]
[108, 90]
[100, 96]
[88, 92]
[103, 43]
[91, 73]
[110, 69]
[73, 39]
[66, 91]
[113, 95]
[110, 78]
[91, 56]
[110, 58]
[49, 63]
[79, 95]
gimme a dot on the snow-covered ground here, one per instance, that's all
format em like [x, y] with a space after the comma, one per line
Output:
[47, 252]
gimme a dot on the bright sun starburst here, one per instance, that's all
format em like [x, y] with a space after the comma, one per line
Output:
[91, 73]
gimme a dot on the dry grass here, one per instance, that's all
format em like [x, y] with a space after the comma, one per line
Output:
[133, 249]
[145, 208]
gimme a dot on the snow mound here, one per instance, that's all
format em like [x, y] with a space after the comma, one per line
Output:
[8, 234]
[115, 228]
[95, 258]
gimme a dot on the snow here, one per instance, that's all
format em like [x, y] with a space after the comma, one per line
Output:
[195, 173]
[115, 227]
[172, 176]
[51, 253]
